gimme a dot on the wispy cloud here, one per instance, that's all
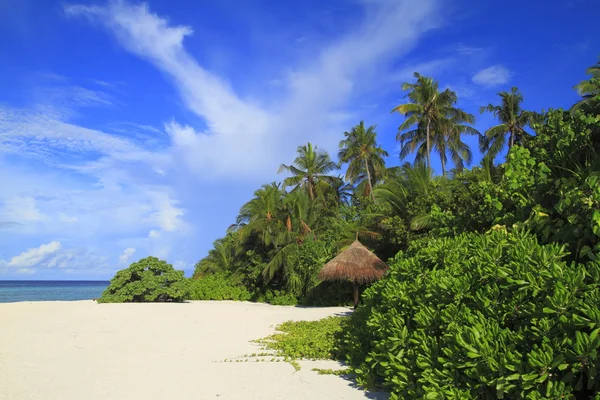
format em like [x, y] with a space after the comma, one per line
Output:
[127, 254]
[34, 256]
[126, 190]
[53, 256]
[20, 209]
[492, 76]
[246, 131]
[465, 50]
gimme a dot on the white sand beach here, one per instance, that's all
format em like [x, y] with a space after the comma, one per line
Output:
[81, 350]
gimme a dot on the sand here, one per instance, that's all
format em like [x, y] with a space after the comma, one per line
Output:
[81, 350]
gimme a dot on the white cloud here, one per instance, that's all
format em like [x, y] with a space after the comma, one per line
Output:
[69, 96]
[21, 209]
[492, 76]
[130, 189]
[127, 254]
[34, 256]
[41, 133]
[54, 258]
[463, 49]
[242, 131]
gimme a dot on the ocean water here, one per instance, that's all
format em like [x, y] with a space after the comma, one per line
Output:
[11, 291]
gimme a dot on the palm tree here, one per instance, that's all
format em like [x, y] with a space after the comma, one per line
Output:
[590, 88]
[341, 191]
[363, 155]
[425, 108]
[262, 215]
[513, 120]
[300, 215]
[301, 220]
[448, 140]
[310, 167]
[410, 182]
[219, 259]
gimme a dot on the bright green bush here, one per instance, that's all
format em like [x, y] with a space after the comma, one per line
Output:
[217, 287]
[277, 298]
[480, 317]
[304, 339]
[148, 280]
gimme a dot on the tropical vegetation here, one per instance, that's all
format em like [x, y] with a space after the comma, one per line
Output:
[493, 288]
[148, 280]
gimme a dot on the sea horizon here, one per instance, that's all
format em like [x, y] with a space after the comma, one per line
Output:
[12, 291]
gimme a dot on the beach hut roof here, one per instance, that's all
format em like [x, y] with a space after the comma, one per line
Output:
[356, 264]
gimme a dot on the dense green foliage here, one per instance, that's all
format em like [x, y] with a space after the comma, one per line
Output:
[547, 184]
[312, 340]
[509, 310]
[148, 280]
[218, 287]
[493, 287]
[480, 317]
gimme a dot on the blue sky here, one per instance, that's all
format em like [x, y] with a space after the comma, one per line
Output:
[130, 129]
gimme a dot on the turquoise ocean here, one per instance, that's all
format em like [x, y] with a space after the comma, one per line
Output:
[12, 291]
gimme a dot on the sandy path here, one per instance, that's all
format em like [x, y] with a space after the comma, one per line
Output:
[87, 351]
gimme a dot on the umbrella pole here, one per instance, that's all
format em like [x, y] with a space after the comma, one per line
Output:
[355, 292]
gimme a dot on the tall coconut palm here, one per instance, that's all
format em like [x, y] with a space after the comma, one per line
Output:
[300, 215]
[341, 191]
[409, 182]
[262, 215]
[364, 157]
[589, 89]
[448, 139]
[301, 221]
[426, 106]
[220, 258]
[513, 120]
[310, 167]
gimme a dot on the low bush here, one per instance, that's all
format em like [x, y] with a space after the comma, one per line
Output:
[479, 317]
[312, 340]
[148, 280]
[218, 287]
[277, 298]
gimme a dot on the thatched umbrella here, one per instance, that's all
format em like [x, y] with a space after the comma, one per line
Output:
[356, 264]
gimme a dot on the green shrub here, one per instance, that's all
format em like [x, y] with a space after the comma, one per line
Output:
[312, 340]
[479, 317]
[278, 298]
[148, 280]
[218, 287]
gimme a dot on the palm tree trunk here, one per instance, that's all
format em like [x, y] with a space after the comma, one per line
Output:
[511, 141]
[311, 193]
[443, 165]
[369, 180]
[428, 149]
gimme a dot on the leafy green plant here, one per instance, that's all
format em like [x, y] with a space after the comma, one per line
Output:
[278, 298]
[337, 372]
[148, 280]
[479, 317]
[218, 287]
[296, 340]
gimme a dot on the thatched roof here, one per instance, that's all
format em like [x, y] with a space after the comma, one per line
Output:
[356, 263]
